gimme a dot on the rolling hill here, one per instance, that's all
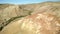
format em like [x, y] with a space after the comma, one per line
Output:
[11, 12]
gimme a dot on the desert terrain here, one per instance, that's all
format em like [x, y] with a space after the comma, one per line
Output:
[11, 16]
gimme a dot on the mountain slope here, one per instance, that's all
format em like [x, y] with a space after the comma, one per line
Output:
[8, 12]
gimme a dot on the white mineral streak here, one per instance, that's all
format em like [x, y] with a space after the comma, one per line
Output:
[58, 24]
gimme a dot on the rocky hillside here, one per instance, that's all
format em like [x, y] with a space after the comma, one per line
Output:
[9, 12]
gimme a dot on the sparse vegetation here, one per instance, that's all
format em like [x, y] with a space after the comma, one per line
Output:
[7, 22]
[19, 11]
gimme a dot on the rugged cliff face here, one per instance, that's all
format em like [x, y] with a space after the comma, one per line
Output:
[13, 13]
